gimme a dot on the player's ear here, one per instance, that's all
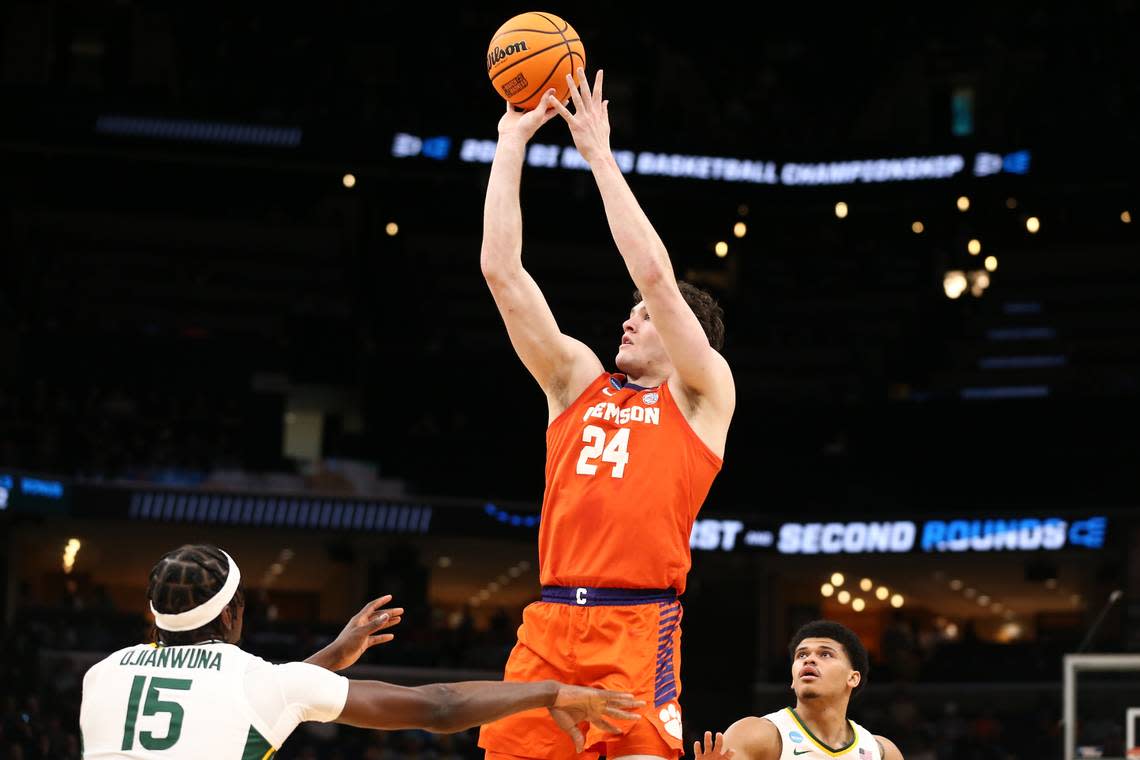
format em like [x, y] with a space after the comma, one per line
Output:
[854, 679]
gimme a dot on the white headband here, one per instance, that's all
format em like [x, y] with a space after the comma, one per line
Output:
[205, 612]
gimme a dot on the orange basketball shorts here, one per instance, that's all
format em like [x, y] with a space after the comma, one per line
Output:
[619, 639]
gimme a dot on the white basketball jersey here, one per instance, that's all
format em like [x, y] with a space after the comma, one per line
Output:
[800, 744]
[208, 700]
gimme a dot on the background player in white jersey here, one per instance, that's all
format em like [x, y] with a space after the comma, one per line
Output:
[829, 665]
[194, 694]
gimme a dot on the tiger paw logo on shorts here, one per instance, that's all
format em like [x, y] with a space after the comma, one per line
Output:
[671, 717]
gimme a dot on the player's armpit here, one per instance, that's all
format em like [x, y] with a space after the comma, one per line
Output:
[753, 738]
[888, 749]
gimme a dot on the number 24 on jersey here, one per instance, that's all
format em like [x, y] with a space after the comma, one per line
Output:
[615, 451]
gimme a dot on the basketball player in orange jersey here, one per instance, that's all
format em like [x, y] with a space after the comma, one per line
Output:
[630, 458]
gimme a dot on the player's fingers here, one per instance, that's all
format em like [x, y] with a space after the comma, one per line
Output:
[584, 84]
[575, 95]
[391, 612]
[598, 87]
[621, 699]
[376, 603]
[579, 740]
[605, 725]
[381, 638]
[379, 625]
[567, 724]
[613, 712]
[616, 696]
[563, 112]
[718, 745]
[546, 107]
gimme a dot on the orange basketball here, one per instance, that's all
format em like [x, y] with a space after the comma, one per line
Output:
[532, 53]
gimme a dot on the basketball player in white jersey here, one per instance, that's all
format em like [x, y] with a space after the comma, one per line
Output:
[194, 694]
[829, 665]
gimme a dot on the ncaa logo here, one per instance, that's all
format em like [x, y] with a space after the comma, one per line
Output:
[796, 737]
[650, 398]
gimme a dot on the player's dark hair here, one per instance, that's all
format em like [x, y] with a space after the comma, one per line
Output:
[708, 311]
[182, 580]
[852, 646]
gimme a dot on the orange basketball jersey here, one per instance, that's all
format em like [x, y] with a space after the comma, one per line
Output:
[625, 478]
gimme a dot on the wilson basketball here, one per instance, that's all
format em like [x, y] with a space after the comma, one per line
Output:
[532, 53]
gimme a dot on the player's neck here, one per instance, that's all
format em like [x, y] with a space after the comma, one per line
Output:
[827, 720]
[649, 379]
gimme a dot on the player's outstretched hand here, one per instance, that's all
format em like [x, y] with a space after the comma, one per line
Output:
[521, 125]
[575, 704]
[590, 122]
[713, 749]
[360, 634]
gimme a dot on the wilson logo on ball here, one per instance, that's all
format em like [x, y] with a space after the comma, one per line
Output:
[497, 53]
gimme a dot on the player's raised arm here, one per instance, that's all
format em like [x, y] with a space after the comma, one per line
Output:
[700, 368]
[562, 365]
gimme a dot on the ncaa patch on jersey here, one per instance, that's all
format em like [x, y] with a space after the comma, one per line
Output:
[795, 736]
[650, 398]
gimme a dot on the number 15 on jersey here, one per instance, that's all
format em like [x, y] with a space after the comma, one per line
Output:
[595, 447]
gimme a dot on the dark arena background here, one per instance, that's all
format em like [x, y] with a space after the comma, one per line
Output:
[241, 304]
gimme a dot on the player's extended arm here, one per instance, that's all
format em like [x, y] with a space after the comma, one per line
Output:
[699, 367]
[446, 708]
[562, 366]
[888, 749]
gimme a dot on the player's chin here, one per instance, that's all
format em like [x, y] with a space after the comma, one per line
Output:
[622, 361]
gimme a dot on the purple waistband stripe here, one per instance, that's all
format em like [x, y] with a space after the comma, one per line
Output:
[588, 596]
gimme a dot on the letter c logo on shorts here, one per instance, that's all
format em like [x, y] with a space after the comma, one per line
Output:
[580, 596]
